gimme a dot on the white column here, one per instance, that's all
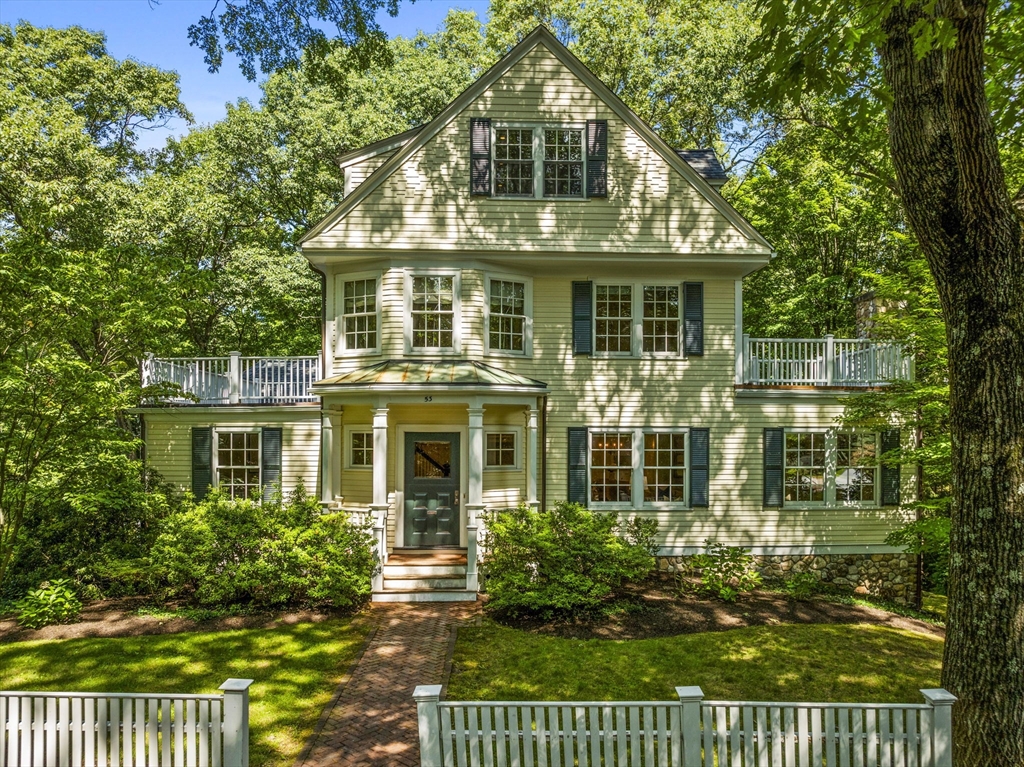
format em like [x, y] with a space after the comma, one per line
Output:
[234, 378]
[532, 457]
[475, 492]
[330, 421]
[830, 358]
[740, 345]
[379, 507]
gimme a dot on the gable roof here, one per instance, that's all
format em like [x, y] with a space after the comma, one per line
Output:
[541, 35]
[706, 163]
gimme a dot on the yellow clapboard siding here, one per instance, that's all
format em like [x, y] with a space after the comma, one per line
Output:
[426, 203]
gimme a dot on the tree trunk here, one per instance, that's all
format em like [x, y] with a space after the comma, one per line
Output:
[951, 182]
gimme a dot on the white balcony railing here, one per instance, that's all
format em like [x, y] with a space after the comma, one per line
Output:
[822, 362]
[233, 379]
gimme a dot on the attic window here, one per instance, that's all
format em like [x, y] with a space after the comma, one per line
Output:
[554, 155]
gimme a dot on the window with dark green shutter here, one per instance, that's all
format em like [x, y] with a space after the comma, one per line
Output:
[578, 464]
[693, 318]
[271, 459]
[700, 467]
[597, 158]
[202, 460]
[774, 455]
[890, 470]
[480, 155]
[582, 318]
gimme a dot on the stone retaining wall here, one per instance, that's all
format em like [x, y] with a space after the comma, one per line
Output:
[889, 576]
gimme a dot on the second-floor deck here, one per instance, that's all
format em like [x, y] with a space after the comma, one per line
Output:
[761, 362]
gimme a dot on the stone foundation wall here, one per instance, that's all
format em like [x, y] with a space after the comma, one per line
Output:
[889, 576]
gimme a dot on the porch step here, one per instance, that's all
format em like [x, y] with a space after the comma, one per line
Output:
[424, 595]
[420, 582]
[424, 571]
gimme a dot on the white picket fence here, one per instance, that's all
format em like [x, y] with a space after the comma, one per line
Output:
[690, 732]
[99, 729]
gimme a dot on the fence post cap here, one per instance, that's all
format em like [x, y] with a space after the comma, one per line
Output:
[939, 697]
[236, 685]
[427, 692]
[690, 693]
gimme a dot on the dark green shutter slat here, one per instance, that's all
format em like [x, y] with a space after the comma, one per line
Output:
[774, 455]
[890, 471]
[582, 318]
[578, 464]
[270, 448]
[693, 318]
[699, 468]
[480, 155]
[597, 158]
[202, 461]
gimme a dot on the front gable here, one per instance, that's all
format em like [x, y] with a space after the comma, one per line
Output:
[420, 198]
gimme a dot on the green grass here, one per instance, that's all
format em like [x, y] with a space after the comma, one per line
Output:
[859, 663]
[296, 669]
[934, 603]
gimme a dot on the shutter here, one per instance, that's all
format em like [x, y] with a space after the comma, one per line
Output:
[480, 156]
[699, 468]
[693, 318]
[890, 471]
[578, 464]
[774, 455]
[270, 460]
[582, 318]
[202, 461]
[597, 158]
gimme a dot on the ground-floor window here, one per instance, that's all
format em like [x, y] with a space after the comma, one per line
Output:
[238, 463]
[640, 464]
[829, 467]
[362, 449]
[500, 450]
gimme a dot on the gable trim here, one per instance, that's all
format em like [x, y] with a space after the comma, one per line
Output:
[540, 35]
[388, 144]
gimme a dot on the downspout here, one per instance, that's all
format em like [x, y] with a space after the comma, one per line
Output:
[544, 453]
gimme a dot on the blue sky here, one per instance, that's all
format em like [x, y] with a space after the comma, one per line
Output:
[157, 35]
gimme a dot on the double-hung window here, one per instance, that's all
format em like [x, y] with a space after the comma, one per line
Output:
[630, 467]
[507, 316]
[831, 468]
[432, 312]
[637, 318]
[539, 161]
[238, 463]
[359, 315]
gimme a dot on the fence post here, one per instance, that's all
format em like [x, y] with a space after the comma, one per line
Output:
[236, 722]
[690, 699]
[941, 702]
[427, 697]
[234, 378]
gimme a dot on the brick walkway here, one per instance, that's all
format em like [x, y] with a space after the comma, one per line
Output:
[373, 722]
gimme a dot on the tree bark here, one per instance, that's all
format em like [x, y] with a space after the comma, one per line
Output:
[951, 182]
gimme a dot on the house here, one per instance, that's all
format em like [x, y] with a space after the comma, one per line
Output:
[534, 298]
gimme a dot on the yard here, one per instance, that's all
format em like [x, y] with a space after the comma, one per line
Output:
[811, 662]
[296, 668]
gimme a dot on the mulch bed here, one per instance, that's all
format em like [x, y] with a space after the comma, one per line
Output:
[656, 609]
[117, 618]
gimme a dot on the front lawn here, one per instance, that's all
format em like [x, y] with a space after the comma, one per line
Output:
[296, 669]
[858, 663]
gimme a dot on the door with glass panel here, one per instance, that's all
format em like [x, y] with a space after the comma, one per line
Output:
[431, 489]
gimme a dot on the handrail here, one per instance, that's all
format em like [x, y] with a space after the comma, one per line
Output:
[233, 379]
[828, 361]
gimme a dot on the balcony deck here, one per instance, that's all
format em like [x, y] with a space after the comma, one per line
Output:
[231, 380]
[825, 362]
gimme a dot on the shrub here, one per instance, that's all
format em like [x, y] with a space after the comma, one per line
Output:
[722, 571]
[53, 602]
[266, 553]
[567, 561]
[801, 586]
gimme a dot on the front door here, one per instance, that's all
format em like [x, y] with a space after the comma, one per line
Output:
[431, 489]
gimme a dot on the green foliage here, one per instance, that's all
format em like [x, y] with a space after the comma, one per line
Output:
[53, 602]
[928, 536]
[801, 586]
[265, 553]
[567, 562]
[723, 572]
